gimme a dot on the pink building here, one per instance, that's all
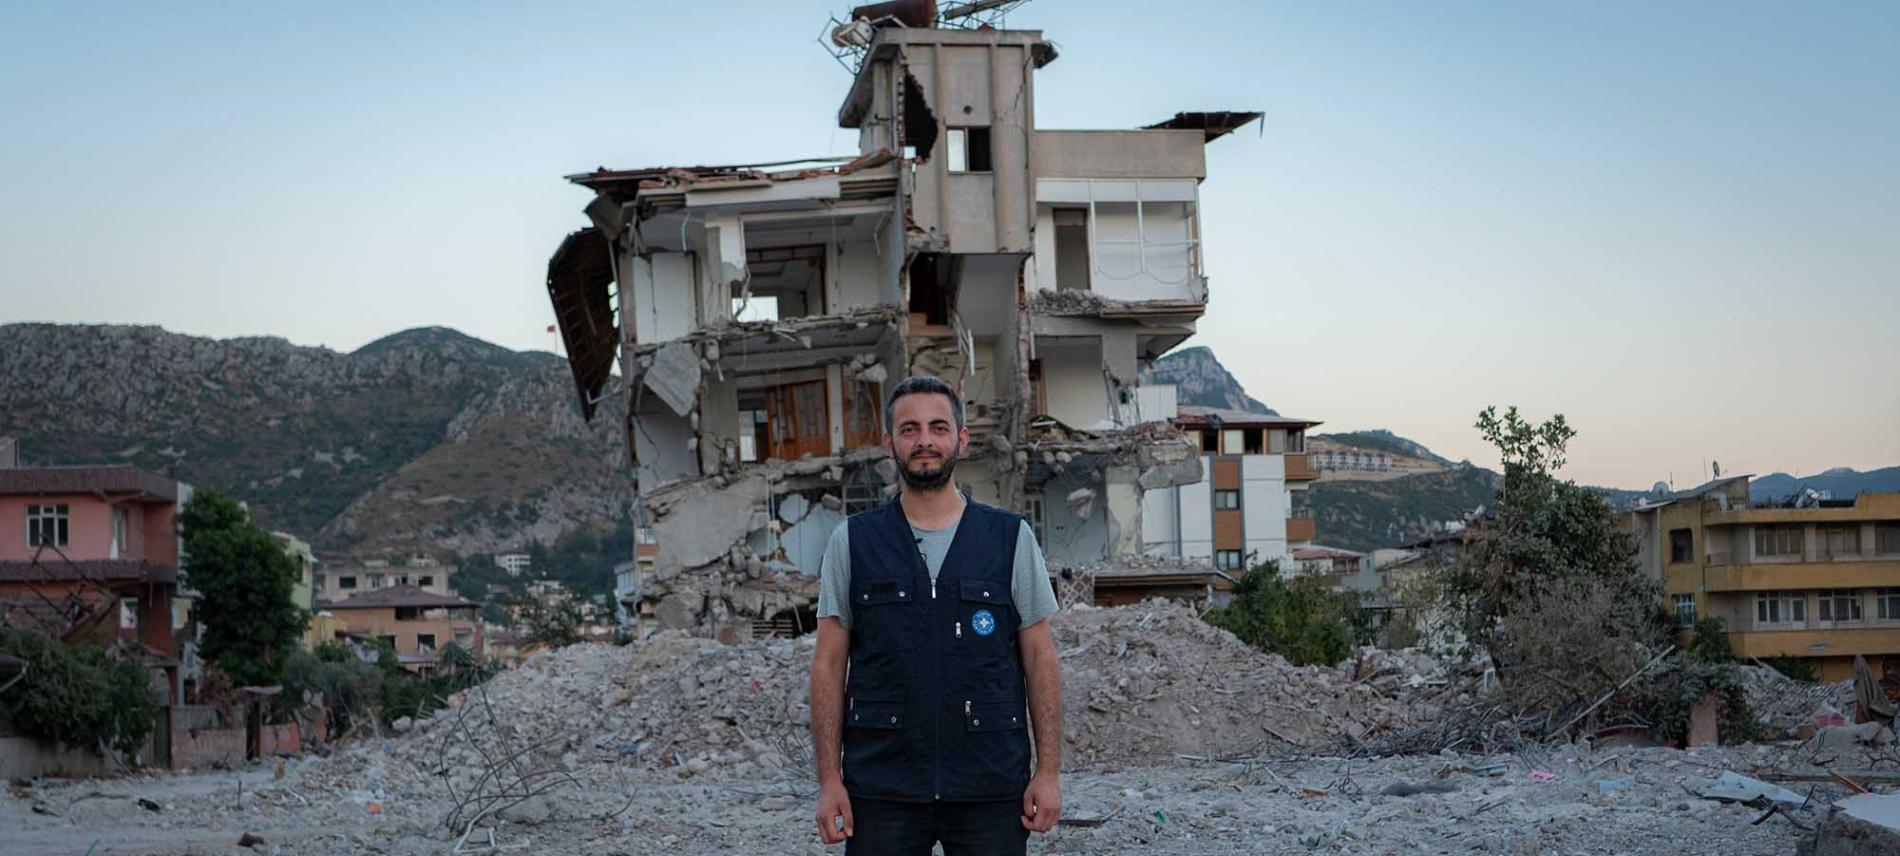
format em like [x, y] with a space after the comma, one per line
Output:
[79, 544]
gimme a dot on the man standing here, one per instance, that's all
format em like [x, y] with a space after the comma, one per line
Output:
[938, 605]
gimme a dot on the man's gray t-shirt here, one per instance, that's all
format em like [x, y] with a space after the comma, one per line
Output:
[1029, 577]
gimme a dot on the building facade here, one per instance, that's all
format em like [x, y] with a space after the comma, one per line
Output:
[1244, 511]
[415, 622]
[759, 314]
[1820, 583]
[342, 578]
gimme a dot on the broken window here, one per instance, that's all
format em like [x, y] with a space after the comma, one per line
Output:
[1681, 546]
[425, 643]
[1072, 249]
[751, 430]
[920, 125]
[346, 582]
[428, 581]
[1250, 441]
[781, 282]
[408, 613]
[757, 307]
[969, 150]
[1209, 441]
[932, 290]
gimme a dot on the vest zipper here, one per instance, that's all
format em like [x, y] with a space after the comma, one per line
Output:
[959, 630]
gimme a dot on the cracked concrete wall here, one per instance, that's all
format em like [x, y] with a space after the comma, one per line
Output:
[1124, 509]
[718, 423]
[663, 445]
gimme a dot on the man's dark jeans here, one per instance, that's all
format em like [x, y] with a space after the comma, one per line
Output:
[889, 828]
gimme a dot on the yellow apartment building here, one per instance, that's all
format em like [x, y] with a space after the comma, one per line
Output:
[1821, 583]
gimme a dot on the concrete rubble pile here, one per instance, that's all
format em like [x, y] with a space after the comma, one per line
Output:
[1141, 684]
[1147, 682]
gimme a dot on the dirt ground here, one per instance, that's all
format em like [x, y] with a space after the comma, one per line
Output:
[361, 801]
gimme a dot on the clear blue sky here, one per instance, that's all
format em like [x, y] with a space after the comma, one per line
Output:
[1679, 224]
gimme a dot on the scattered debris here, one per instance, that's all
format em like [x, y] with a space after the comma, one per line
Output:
[1735, 787]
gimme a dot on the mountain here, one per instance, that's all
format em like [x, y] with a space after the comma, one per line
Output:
[427, 438]
[1201, 380]
[1365, 515]
[1383, 440]
[1842, 482]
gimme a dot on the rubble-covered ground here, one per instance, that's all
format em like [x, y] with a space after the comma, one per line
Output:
[1180, 740]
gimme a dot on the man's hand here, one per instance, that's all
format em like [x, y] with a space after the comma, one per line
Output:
[833, 804]
[1042, 802]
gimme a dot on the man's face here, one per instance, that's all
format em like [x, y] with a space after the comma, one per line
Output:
[925, 440]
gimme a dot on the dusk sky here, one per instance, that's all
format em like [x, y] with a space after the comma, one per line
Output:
[1678, 226]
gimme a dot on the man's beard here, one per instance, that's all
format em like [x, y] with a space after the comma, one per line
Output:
[933, 480]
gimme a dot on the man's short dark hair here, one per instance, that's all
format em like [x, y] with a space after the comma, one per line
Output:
[923, 384]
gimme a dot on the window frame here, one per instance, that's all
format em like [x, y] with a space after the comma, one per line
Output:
[1685, 610]
[1231, 494]
[54, 515]
[1830, 603]
[1223, 557]
[1769, 604]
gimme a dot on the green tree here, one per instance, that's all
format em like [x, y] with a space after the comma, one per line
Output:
[1548, 582]
[244, 581]
[556, 626]
[1300, 619]
[1708, 642]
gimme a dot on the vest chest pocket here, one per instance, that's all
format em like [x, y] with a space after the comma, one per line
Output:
[882, 593]
[888, 716]
[992, 716]
[981, 630]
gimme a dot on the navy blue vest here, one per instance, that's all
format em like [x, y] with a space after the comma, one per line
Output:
[934, 700]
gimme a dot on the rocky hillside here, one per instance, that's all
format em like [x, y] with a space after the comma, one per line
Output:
[424, 438]
[1202, 381]
[1364, 515]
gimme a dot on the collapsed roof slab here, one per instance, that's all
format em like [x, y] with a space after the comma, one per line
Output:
[752, 347]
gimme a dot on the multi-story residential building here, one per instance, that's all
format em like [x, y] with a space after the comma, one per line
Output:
[1821, 583]
[1255, 464]
[759, 313]
[416, 623]
[343, 578]
[93, 553]
[513, 563]
[305, 591]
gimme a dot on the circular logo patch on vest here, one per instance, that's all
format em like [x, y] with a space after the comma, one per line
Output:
[983, 622]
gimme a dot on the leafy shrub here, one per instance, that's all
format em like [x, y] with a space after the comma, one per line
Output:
[74, 695]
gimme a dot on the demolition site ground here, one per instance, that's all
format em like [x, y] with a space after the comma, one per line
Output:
[1180, 740]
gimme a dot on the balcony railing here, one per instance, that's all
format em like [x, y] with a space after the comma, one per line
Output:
[1299, 467]
[1301, 529]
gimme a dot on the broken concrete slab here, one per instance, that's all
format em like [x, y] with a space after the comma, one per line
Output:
[674, 376]
[1735, 787]
[1860, 825]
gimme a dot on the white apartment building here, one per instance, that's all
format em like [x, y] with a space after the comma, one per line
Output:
[1244, 507]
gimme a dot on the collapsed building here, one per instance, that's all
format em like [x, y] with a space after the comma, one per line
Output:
[757, 314]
